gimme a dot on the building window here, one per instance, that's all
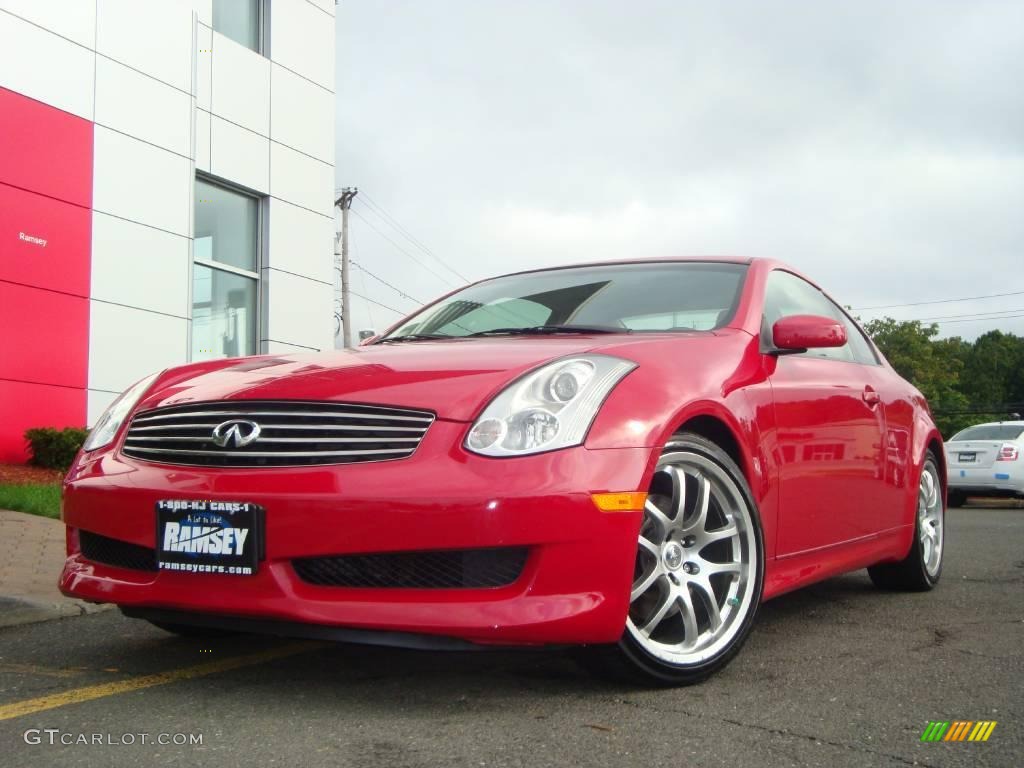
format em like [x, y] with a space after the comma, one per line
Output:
[225, 275]
[241, 20]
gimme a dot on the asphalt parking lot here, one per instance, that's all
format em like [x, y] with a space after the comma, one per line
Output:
[839, 675]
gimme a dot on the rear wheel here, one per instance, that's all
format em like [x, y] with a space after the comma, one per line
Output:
[698, 572]
[920, 570]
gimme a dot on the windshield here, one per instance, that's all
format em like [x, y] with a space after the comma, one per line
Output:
[991, 432]
[671, 296]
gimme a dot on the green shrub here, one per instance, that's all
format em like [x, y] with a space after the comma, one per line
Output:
[55, 448]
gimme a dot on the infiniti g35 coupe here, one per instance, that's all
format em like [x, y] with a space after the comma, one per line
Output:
[628, 457]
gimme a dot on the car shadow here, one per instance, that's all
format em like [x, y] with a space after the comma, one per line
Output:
[387, 677]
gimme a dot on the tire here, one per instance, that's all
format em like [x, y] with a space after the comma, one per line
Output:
[920, 570]
[698, 576]
[956, 499]
[191, 631]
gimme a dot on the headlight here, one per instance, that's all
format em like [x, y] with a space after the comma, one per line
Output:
[551, 407]
[114, 416]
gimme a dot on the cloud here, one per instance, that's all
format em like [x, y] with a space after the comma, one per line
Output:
[877, 146]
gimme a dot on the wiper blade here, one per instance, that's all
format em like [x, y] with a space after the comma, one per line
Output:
[550, 330]
[414, 337]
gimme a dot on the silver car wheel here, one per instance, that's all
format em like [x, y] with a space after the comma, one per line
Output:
[696, 566]
[930, 519]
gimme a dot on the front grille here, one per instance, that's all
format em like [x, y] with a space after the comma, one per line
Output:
[292, 433]
[121, 554]
[448, 569]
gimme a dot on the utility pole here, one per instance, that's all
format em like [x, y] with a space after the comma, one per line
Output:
[344, 203]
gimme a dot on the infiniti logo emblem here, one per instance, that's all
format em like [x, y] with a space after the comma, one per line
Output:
[237, 432]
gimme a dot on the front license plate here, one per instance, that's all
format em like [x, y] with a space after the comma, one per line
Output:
[202, 536]
[967, 458]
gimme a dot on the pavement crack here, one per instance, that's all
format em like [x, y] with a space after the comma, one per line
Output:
[980, 655]
[985, 622]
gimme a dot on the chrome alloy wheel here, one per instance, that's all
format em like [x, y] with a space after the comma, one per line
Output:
[929, 519]
[696, 568]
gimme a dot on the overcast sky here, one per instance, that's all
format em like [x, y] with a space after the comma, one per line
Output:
[877, 146]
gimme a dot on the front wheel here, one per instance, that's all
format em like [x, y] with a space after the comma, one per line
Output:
[919, 571]
[699, 568]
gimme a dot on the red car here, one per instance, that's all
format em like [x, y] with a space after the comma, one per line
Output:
[627, 456]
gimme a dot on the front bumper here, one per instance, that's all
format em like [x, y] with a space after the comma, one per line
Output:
[574, 587]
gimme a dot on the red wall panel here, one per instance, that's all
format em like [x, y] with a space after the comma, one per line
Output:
[45, 149]
[46, 159]
[44, 242]
[23, 406]
[45, 336]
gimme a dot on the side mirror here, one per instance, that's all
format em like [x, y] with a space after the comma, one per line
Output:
[366, 335]
[801, 332]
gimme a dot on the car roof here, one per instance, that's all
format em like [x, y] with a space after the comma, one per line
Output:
[719, 259]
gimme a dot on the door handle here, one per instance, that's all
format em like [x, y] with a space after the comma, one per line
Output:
[871, 397]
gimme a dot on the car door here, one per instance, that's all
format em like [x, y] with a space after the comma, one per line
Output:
[830, 430]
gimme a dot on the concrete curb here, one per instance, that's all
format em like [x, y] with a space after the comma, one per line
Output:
[31, 557]
[17, 610]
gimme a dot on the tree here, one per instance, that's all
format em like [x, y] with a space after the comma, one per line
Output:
[994, 370]
[986, 376]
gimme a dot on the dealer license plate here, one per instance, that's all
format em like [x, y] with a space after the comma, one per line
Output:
[203, 536]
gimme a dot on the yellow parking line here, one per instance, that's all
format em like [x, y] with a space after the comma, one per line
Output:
[90, 692]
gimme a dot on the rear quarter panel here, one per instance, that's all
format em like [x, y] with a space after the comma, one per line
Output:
[910, 433]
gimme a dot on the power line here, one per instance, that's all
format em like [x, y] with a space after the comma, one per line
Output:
[373, 301]
[419, 303]
[976, 319]
[400, 248]
[379, 210]
[362, 281]
[399, 291]
[961, 318]
[994, 315]
[983, 409]
[940, 301]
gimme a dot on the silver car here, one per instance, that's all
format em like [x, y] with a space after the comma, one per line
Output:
[986, 460]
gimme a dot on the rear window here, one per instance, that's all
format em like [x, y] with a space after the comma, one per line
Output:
[991, 432]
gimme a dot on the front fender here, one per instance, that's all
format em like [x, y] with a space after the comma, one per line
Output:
[727, 398]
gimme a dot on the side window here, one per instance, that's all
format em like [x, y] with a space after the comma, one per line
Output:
[788, 295]
[862, 350]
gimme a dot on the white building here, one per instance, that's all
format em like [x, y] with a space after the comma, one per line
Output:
[166, 193]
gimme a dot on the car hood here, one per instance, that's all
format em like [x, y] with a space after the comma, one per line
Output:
[454, 379]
